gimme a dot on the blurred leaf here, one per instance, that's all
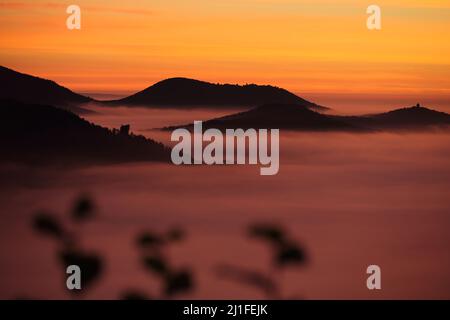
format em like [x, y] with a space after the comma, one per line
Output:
[178, 282]
[272, 233]
[148, 239]
[290, 254]
[249, 277]
[46, 224]
[156, 264]
[175, 235]
[83, 209]
[90, 265]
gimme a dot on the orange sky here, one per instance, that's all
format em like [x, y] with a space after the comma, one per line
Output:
[317, 46]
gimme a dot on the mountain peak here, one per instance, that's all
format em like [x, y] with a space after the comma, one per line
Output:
[25, 88]
[417, 110]
[299, 117]
[185, 92]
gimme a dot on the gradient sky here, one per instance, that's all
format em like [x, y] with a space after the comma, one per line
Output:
[317, 46]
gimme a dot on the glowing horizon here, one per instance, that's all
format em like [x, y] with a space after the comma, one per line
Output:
[319, 47]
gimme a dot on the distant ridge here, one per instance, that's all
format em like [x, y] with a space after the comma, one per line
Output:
[296, 117]
[173, 92]
[415, 117]
[41, 134]
[29, 89]
[188, 93]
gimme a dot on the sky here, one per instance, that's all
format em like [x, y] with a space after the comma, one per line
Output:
[317, 47]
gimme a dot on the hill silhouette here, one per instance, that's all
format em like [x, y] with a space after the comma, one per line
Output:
[183, 92]
[41, 134]
[297, 117]
[29, 89]
[411, 118]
